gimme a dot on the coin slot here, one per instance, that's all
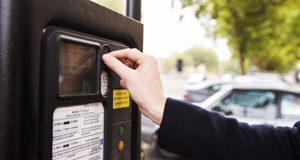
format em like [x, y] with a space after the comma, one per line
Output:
[104, 83]
[106, 49]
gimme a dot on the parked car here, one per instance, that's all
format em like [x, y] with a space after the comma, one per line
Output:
[258, 104]
[148, 129]
[200, 91]
[195, 78]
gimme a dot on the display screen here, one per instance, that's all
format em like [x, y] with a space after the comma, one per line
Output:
[77, 68]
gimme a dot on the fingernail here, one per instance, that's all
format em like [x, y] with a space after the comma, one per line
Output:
[106, 58]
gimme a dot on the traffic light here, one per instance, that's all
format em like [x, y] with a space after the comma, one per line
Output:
[179, 65]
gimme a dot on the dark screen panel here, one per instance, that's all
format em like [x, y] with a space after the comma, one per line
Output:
[77, 68]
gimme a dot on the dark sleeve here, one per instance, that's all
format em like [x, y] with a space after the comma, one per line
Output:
[196, 133]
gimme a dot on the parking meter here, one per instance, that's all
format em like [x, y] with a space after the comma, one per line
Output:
[60, 101]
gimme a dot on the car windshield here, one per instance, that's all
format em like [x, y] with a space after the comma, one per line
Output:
[219, 95]
[249, 103]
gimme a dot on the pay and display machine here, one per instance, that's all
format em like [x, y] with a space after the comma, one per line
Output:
[58, 99]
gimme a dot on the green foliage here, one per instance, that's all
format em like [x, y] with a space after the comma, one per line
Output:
[281, 62]
[170, 63]
[116, 5]
[230, 66]
[264, 32]
[198, 55]
[192, 58]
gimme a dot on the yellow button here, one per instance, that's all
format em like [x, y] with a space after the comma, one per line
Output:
[121, 145]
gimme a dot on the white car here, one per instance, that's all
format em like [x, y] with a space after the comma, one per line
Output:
[257, 104]
[198, 92]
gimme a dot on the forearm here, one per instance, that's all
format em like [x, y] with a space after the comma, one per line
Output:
[191, 131]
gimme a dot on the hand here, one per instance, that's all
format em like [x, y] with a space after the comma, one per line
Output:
[140, 75]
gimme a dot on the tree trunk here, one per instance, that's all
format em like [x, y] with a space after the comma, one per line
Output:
[235, 35]
[240, 49]
[241, 61]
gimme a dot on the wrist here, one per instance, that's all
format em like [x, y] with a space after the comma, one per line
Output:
[157, 111]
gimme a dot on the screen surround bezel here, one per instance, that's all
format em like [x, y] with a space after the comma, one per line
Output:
[83, 42]
[50, 98]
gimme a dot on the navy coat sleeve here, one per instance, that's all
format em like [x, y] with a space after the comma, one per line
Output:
[196, 133]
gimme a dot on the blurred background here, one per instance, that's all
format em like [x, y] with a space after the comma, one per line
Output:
[239, 58]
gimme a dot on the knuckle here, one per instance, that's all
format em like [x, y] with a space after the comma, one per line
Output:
[135, 50]
[152, 59]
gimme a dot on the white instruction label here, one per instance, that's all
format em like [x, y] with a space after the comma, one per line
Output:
[78, 132]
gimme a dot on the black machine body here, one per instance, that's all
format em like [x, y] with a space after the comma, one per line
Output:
[60, 101]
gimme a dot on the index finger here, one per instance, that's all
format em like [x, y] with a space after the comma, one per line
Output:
[133, 55]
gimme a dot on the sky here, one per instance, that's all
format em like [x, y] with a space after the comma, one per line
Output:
[164, 34]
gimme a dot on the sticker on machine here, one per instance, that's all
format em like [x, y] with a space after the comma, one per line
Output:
[78, 132]
[121, 99]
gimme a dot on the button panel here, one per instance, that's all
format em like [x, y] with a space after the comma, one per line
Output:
[121, 145]
[121, 131]
[122, 140]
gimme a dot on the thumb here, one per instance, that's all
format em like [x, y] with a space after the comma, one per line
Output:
[117, 66]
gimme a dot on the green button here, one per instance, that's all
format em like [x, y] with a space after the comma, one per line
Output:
[121, 131]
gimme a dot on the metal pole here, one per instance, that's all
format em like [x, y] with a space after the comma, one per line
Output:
[133, 9]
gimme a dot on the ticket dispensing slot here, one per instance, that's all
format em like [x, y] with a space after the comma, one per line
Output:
[90, 113]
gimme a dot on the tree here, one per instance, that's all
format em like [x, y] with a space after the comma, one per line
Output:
[275, 43]
[169, 64]
[116, 5]
[192, 58]
[198, 55]
[253, 27]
